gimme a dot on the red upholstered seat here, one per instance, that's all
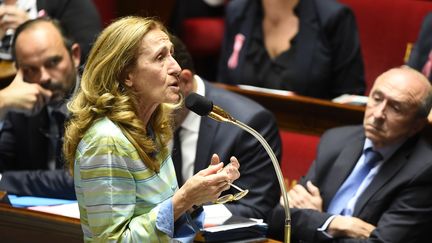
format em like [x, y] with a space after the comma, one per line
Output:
[107, 10]
[298, 152]
[203, 36]
[387, 28]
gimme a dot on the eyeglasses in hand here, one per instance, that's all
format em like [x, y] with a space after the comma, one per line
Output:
[232, 197]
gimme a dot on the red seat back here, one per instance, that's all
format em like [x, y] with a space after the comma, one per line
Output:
[298, 152]
[203, 36]
[386, 29]
[107, 10]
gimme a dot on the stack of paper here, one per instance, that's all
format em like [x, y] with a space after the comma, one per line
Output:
[221, 226]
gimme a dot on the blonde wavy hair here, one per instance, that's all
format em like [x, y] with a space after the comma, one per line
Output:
[103, 94]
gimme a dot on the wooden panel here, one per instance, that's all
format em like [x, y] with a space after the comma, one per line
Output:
[23, 225]
[7, 73]
[304, 114]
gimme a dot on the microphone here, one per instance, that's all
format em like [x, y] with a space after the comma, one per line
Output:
[204, 107]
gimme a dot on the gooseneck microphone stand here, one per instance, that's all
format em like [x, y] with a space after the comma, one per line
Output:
[202, 106]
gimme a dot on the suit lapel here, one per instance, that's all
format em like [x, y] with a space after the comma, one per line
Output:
[342, 168]
[38, 143]
[306, 37]
[388, 170]
[207, 133]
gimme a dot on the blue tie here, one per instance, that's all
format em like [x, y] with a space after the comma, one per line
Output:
[353, 182]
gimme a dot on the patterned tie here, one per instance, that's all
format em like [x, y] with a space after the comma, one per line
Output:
[177, 157]
[353, 182]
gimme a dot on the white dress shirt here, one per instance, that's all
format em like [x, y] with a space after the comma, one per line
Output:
[189, 136]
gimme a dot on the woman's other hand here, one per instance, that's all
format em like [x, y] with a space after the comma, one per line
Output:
[206, 185]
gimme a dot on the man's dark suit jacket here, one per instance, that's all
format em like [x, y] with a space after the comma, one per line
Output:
[324, 60]
[256, 169]
[423, 46]
[24, 159]
[398, 201]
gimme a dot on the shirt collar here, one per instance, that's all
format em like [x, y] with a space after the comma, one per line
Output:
[386, 151]
[192, 120]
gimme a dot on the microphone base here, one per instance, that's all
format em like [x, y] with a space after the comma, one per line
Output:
[287, 232]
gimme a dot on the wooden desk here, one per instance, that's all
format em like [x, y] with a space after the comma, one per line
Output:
[303, 114]
[7, 73]
[308, 115]
[24, 225]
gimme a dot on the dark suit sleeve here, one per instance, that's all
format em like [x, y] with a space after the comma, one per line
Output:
[408, 217]
[7, 145]
[42, 183]
[256, 170]
[80, 19]
[21, 165]
[423, 45]
[304, 224]
[341, 32]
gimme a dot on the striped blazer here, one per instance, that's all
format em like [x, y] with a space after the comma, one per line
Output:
[118, 195]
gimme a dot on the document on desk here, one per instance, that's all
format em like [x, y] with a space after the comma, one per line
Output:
[221, 226]
[266, 90]
[69, 210]
[219, 218]
[351, 99]
[28, 201]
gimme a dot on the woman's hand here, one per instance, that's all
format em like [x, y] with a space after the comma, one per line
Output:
[206, 185]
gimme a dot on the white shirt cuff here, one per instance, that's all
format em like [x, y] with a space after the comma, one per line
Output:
[323, 228]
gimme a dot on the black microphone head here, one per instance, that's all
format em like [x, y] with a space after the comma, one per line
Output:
[199, 104]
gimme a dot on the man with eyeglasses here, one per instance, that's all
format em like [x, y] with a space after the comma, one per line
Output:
[33, 111]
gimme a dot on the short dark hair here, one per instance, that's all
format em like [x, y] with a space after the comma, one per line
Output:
[425, 106]
[67, 40]
[181, 54]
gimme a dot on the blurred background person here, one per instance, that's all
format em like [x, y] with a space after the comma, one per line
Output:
[80, 18]
[33, 110]
[199, 137]
[201, 14]
[116, 140]
[421, 55]
[184, 9]
[310, 47]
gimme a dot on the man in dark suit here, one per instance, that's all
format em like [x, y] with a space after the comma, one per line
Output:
[421, 54]
[202, 136]
[33, 111]
[392, 200]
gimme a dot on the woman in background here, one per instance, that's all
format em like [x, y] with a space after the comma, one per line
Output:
[116, 140]
[310, 47]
